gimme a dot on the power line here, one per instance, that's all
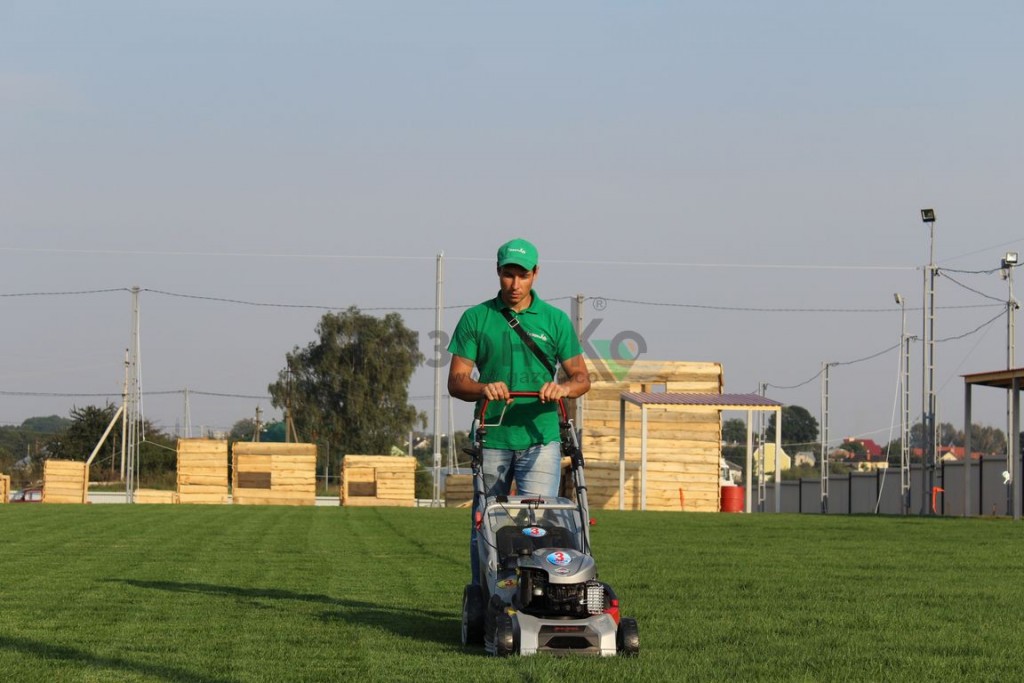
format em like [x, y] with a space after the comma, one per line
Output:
[971, 289]
[976, 329]
[755, 309]
[397, 257]
[886, 350]
[67, 293]
[635, 302]
[278, 305]
[169, 392]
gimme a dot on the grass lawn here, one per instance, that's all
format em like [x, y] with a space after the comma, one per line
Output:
[221, 593]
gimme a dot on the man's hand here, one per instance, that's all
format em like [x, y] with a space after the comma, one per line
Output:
[497, 391]
[552, 391]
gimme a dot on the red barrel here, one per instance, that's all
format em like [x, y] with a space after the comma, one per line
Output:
[732, 499]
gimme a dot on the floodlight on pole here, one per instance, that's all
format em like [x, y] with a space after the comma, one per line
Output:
[928, 215]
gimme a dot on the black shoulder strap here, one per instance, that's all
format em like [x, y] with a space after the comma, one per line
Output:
[513, 322]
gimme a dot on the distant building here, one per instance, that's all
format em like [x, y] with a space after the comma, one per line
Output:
[872, 458]
[785, 462]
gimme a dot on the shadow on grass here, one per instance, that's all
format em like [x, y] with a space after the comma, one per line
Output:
[73, 656]
[427, 625]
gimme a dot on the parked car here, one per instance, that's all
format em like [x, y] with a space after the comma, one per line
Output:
[27, 496]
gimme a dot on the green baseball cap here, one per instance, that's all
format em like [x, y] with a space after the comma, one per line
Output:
[518, 251]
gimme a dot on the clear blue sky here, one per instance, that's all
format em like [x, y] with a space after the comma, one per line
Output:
[713, 156]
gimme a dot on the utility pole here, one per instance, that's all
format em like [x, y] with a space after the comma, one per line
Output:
[762, 488]
[438, 361]
[824, 437]
[1008, 263]
[904, 406]
[928, 367]
[188, 417]
[256, 431]
[133, 412]
[578, 321]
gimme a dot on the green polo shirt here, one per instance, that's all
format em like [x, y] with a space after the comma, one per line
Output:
[484, 336]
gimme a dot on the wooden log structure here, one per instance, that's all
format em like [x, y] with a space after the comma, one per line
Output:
[683, 442]
[65, 481]
[458, 490]
[202, 471]
[154, 497]
[265, 473]
[378, 480]
[5, 488]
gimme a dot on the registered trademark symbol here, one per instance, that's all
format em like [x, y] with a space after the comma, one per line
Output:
[599, 304]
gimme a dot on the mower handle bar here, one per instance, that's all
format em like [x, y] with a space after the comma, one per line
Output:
[525, 394]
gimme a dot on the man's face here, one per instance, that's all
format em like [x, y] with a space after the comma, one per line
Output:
[516, 283]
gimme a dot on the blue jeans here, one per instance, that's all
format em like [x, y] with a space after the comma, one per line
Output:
[536, 471]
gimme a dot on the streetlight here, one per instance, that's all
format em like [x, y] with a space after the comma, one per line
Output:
[928, 365]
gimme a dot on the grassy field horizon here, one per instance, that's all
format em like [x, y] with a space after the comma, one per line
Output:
[222, 593]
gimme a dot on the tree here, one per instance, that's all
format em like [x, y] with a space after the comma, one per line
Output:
[734, 431]
[45, 425]
[799, 427]
[157, 457]
[77, 440]
[350, 387]
[243, 430]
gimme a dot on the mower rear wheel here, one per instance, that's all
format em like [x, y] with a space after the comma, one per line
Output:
[504, 636]
[628, 637]
[473, 610]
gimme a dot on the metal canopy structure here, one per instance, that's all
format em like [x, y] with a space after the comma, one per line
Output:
[717, 402]
[1011, 380]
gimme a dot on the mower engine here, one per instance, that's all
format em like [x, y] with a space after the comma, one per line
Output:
[560, 583]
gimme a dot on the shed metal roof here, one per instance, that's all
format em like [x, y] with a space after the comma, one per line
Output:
[737, 401]
[996, 378]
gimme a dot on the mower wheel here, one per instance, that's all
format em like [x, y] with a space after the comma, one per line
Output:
[472, 615]
[628, 637]
[504, 636]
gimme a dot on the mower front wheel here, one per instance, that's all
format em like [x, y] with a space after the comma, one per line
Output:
[628, 637]
[504, 636]
[473, 610]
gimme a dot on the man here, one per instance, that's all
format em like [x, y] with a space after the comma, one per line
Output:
[525, 447]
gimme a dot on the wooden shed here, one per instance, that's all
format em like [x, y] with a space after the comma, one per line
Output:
[378, 480]
[273, 473]
[65, 481]
[5, 488]
[458, 490]
[202, 471]
[683, 443]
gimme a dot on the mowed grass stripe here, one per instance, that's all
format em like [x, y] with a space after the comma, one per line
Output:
[220, 593]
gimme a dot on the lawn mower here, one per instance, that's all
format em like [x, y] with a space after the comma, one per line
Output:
[538, 589]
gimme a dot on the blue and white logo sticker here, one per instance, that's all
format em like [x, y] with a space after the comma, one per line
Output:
[534, 532]
[559, 558]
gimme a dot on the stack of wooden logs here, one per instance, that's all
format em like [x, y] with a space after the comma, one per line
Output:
[378, 480]
[65, 481]
[202, 471]
[273, 473]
